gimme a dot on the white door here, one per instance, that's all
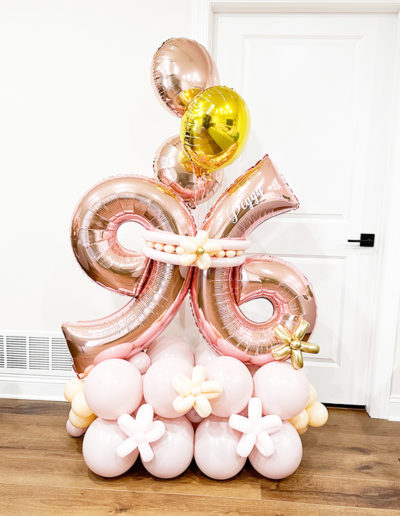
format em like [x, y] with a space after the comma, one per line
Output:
[319, 87]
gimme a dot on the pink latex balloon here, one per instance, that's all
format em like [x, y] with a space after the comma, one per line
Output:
[141, 361]
[173, 453]
[215, 445]
[236, 382]
[204, 354]
[282, 390]
[286, 457]
[99, 447]
[252, 369]
[157, 384]
[193, 417]
[173, 168]
[113, 387]
[180, 69]
[168, 346]
[94, 240]
[73, 431]
[216, 294]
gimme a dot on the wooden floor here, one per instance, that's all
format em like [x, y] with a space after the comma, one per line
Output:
[350, 466]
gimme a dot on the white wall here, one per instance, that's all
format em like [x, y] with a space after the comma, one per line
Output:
[76, 106]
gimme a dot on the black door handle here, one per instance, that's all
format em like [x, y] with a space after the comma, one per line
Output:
[366, 240]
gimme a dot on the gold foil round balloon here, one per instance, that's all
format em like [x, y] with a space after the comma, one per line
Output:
[215, 127]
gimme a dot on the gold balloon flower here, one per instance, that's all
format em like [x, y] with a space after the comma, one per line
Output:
[292, 344]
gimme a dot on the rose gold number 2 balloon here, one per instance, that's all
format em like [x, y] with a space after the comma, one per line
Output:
[157, 289]
[259, 194]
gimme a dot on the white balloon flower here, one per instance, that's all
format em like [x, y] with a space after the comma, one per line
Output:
[141, 431]
[256, 429]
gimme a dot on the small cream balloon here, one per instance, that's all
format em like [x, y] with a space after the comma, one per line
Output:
[72, 388]
[300, 421]
[317, 414]
[302, 431]
[80, 422]
[313, 396]
[80, 407]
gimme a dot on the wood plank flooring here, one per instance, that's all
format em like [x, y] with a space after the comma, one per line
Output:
[350, 466]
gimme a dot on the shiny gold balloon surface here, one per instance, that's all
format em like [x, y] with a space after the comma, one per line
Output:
[215, 127]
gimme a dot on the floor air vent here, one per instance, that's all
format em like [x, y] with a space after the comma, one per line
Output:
[46, 353]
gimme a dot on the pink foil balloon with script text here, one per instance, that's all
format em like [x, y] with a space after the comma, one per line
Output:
[156, 289]
[216, 294]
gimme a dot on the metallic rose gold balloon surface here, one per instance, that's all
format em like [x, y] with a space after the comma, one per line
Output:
[157, 288]
[173, 168]
[181, 68]
[259, 194]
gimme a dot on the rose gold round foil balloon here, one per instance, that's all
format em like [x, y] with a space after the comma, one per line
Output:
[173, 168]
[216, 294]
[181, 68]
[157, 289]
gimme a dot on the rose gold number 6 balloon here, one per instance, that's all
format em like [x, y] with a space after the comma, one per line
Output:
[259, 194]
[157, 289]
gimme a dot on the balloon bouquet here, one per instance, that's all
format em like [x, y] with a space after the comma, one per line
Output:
[241, 394]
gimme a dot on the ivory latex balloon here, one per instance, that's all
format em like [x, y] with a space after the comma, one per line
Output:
[317, 414]
[215, 128]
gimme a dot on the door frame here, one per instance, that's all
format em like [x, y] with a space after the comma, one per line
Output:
[380, 402]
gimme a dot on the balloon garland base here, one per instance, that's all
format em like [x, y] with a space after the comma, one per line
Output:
[169, 405]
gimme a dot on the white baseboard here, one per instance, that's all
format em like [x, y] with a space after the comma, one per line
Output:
[394, 408]
[33, 387]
